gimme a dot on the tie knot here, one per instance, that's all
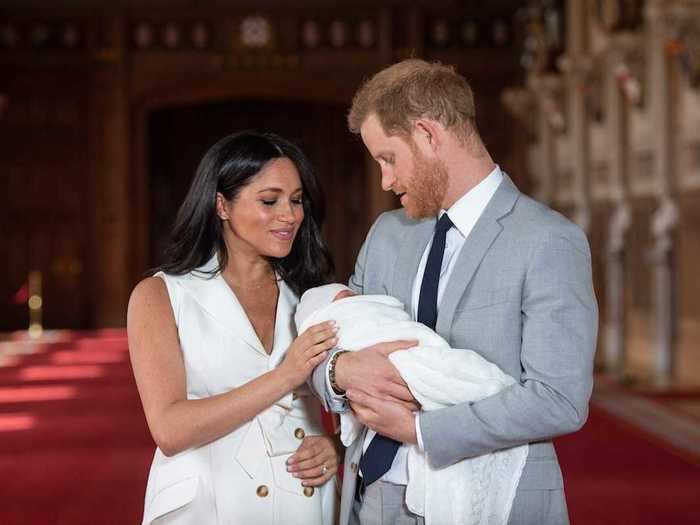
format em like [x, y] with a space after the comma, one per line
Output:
[444, 224]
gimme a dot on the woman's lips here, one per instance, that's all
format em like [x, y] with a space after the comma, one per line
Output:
[286, 234]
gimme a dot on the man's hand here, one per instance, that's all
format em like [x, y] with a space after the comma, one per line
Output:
[387, 418]
[369, 371]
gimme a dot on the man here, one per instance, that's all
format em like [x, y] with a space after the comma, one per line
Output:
[489, 269]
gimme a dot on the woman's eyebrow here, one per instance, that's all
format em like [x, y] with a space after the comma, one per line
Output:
[278, 190]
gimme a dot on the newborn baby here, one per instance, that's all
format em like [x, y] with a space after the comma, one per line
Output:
[475, 490]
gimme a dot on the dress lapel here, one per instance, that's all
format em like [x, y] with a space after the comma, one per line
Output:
[217, 298]
[482, 236]
[285, 330]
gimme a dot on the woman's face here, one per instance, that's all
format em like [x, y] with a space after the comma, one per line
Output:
[264, 218]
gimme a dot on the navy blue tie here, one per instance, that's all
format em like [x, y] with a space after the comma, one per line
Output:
[377, 459]
[427, 303]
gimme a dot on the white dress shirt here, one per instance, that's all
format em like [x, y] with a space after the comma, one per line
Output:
[464, 214]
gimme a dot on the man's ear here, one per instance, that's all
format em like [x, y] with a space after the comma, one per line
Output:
[427, 136]
[221, 207]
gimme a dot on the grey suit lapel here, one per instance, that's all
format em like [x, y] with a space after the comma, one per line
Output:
[412, 247]
[482, 236]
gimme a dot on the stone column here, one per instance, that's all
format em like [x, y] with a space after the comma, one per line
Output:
[551, 123]
[620, 219]
[576, 65]
[665, 217]
[523, 105]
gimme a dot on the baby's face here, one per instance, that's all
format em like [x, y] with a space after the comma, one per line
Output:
[343, 294]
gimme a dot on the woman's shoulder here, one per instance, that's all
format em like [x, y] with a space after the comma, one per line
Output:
[151, 290]
[166, 290]
[149, 306]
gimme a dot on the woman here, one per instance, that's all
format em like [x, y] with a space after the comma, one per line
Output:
[211, 338]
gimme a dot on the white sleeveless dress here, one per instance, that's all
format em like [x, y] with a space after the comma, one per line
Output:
[240, 478]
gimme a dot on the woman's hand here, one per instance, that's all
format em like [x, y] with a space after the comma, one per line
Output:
[307, 351]
[315, 461]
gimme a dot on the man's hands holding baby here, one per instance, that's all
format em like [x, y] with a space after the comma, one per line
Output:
[371, 372]
[378, 395]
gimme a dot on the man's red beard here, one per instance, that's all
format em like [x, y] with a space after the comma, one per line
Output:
[426, 189]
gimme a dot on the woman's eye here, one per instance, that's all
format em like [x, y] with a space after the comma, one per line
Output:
[297, 202]
[268, 203]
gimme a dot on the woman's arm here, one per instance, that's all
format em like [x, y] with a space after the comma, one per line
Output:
[177, 423]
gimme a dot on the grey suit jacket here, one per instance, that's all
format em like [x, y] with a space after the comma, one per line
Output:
[521, 295]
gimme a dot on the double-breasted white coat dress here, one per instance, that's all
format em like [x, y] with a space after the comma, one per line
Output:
[240, 478]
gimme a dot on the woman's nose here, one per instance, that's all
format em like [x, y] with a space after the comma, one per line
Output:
[286, 213]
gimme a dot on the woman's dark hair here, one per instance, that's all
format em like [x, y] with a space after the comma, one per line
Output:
[227, 167]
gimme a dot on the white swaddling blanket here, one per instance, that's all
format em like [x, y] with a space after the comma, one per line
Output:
[477, 490]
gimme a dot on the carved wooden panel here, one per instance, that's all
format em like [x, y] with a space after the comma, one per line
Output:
[688, 129]
[43, 166]
[688, 256]
[642, 177]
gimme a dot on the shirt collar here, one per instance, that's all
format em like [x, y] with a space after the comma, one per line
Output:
[466, 211]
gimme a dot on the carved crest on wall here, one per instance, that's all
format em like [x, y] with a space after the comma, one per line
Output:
[255, 32]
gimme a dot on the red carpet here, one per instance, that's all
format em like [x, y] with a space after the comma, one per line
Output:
[616, 474]
[80, 449]
[74, 448]
[684, 403]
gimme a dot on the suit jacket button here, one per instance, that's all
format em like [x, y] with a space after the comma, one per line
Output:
[299, 433]
[353, 467]
[308, 491]
[262, 491]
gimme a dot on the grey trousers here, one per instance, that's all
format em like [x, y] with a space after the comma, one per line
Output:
[539, 507]
[383, 504]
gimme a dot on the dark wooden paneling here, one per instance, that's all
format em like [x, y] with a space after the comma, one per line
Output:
[44, 220]
[80, 166]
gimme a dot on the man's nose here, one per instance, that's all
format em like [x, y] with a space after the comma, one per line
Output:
[388, 180]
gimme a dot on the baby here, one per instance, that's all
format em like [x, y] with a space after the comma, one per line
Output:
[438, 376]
